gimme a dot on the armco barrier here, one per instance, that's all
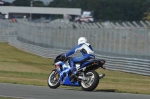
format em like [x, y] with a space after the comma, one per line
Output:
[4, 38]
[131, 65]
[126, 39]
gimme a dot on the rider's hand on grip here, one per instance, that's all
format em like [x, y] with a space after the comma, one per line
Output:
[63, 57]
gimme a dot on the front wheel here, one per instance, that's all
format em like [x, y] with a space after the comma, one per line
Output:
[91, 82]
[53, 80]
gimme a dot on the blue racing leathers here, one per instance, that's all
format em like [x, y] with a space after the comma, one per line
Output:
[87, 53]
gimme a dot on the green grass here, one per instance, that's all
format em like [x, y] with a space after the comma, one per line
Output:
[19, 67]
[8, 98]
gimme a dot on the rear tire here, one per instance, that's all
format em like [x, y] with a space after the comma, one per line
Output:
[92, 82]
[52, 81]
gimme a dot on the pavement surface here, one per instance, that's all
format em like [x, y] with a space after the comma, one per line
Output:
[40, 92]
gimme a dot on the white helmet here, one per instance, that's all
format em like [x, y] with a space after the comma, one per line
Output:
[82, 40]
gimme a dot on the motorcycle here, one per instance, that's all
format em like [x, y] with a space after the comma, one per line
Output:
[86, 76]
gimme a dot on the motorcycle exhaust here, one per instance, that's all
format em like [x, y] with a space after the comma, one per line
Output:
[101, 76]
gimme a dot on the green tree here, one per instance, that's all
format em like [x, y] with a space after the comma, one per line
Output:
[28, 3]
[60, 3]
[38, 4]
[147, 17]
[113, 10]
[22, 2]
[5, 3]
[147, 12]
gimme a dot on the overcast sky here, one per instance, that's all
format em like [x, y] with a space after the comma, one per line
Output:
[45, 1]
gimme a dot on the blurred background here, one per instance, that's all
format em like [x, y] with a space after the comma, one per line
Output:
[118, 30]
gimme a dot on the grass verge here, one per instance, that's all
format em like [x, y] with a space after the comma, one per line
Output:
[19, 67]
[8, 98]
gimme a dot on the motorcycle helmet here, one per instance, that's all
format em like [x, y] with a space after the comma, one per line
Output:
[82, 40]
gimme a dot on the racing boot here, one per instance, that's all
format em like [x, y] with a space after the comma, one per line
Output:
[73, 75]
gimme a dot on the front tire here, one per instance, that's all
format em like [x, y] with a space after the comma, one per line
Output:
[92, 81]
[53, 80]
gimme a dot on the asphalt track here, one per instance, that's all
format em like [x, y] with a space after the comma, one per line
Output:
[40, 92]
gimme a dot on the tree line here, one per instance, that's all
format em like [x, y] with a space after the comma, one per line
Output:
[104, 10]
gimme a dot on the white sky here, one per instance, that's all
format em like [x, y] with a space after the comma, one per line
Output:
[45, 1]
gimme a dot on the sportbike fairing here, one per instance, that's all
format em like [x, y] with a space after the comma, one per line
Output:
[64, 72]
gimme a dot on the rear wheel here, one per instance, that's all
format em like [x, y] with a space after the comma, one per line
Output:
[91, 82]
[53, 79]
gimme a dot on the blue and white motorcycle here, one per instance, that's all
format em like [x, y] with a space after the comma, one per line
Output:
[86, 76]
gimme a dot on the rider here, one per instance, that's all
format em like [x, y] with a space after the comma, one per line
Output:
[86, 50]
